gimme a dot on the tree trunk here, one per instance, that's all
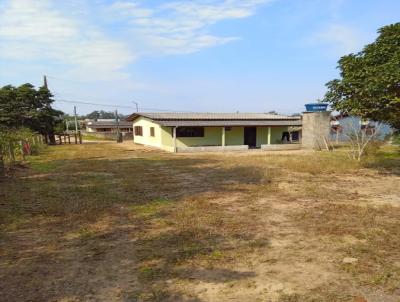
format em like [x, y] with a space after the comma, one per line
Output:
[52, 138]
[11, 153]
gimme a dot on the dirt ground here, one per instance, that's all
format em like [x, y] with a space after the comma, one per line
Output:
[121, 222]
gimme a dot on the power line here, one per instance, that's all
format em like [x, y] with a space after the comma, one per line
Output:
[111, 106]
[94, 104]
[118, 106]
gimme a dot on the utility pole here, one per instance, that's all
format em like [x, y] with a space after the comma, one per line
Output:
[119, 135]
[76, 126]
[137, 106]
[45, 82]
[50, 134]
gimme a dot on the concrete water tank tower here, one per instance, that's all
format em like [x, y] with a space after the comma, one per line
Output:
[316, 126]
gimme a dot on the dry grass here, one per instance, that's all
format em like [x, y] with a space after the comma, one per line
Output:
[105, 222]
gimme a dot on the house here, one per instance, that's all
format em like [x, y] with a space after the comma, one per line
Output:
[108, 126]
[343, 125]
[186, 132]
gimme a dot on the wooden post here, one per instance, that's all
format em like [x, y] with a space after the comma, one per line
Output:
[269, 135]
[69, 139]
[80, 137]
[174, 138]
[223, 137]
[11, 152]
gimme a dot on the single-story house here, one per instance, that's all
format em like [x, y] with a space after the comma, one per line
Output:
[185, 132]
[108, 126]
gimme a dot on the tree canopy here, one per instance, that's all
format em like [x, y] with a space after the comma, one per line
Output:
[369, 86]
[27, 107]
[100, 115]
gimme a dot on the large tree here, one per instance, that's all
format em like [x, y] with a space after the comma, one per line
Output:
[27, 107]
[369, 86]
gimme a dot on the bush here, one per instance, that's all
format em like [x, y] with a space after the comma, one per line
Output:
[396, 139]
[373, 147]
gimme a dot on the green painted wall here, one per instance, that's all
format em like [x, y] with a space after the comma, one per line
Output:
[262, 136]
[212, 136]
[276, 134]
[235, 136]
[166, 138]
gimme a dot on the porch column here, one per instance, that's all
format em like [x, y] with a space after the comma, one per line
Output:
[174, 138]
[223, 137]
[269, 135]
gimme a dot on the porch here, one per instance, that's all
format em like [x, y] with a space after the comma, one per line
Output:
[234, 138]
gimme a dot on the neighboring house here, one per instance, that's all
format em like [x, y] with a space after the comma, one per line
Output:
[180, 132]
[108, 126]
[344, 125]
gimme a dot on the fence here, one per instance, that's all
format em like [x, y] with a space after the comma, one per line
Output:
[15, 145]
[66, 138]
[108, 135]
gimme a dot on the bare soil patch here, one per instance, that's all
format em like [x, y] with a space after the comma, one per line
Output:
[121, 222]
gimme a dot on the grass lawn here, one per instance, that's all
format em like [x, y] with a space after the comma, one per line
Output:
[109, 222]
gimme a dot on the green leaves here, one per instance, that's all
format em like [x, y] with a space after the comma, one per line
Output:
[24, 106]
[370, 80]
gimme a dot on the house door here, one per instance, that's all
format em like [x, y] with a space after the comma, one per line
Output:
[250, 136]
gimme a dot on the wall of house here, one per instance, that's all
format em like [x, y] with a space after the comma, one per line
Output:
[234, 137]
[167, 142]
[212, 137]
[146, 139]
[276, 135]
[262, 136]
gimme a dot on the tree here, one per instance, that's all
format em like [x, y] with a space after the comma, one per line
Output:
[95, 115]
[361, 139]
[24, 106]
[369, 86]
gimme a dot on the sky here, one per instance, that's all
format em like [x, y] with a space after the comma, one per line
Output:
[195, 56]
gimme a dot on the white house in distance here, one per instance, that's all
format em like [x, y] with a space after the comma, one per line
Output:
[108, 126]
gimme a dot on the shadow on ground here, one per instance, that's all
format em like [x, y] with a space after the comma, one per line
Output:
[118, 230]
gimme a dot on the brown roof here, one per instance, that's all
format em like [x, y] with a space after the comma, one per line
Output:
[219, 119]
[211, 116]
[232, 123]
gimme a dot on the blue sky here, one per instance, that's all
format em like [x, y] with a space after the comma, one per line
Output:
[199, 55]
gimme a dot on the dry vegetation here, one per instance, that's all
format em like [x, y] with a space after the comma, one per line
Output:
[107, 222]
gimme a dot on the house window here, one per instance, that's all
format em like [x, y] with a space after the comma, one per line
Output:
[138, 131]
[190, 132]
[152, 132]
